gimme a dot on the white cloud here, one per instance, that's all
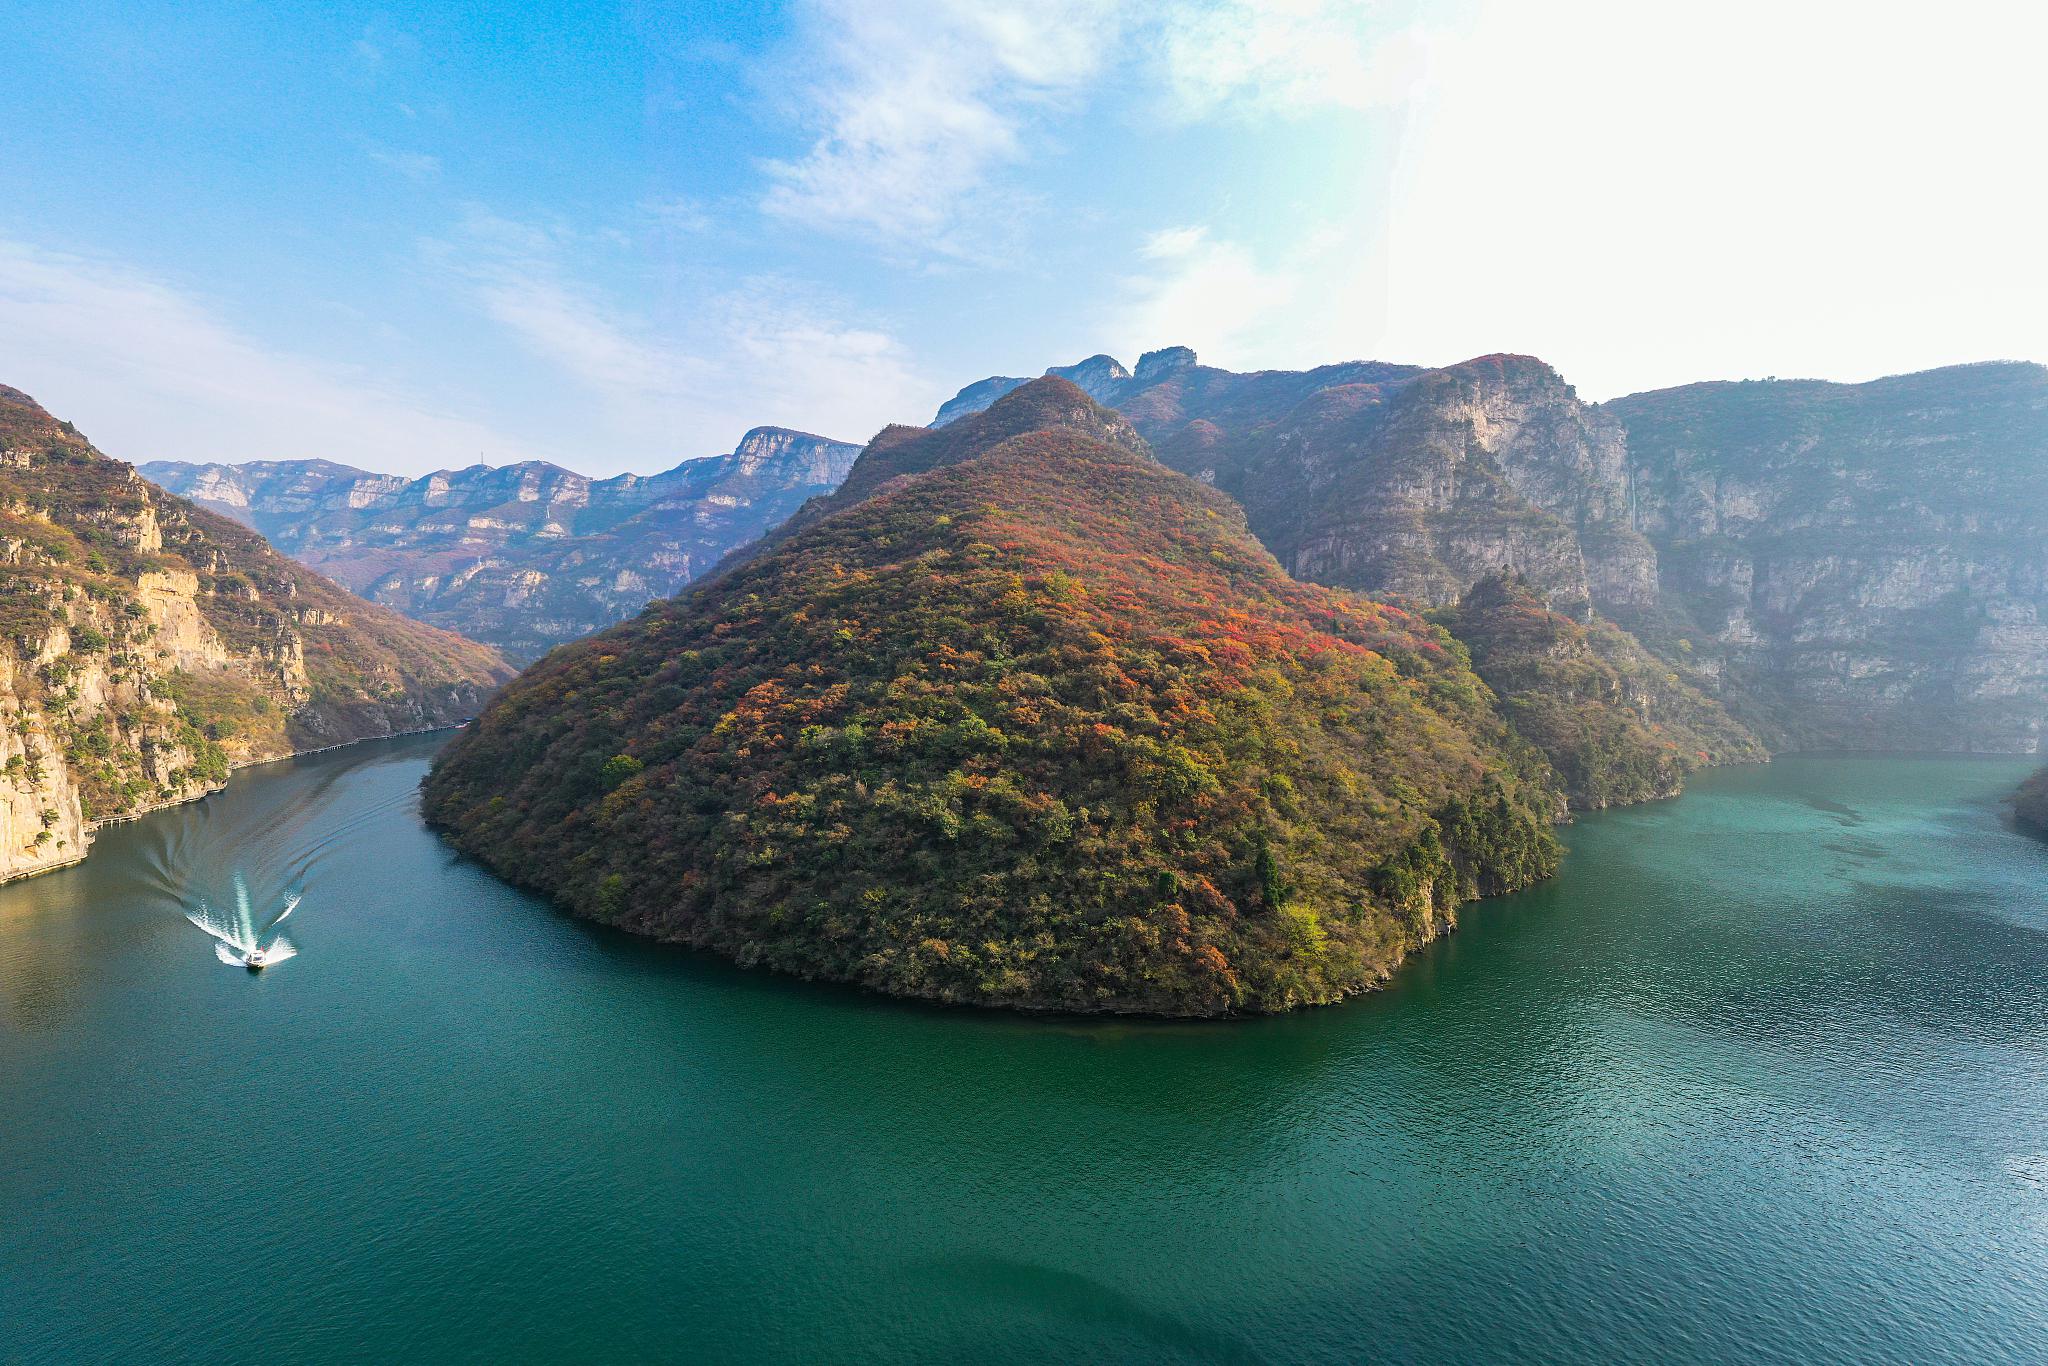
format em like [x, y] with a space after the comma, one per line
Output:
[1317, 301]
[1643, 195]
[765, 352]
[419, 167]
[1286, 56]
[152, 372]
[1194, 290]
[923, 98]
[1647, 195]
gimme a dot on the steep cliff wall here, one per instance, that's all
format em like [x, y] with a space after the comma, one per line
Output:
[148, 646]
[1863, 565]
[1400, 480]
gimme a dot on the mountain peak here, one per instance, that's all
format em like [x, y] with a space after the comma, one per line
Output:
[1154, 366]
[15, 398]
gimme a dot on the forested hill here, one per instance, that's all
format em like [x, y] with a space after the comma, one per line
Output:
[1035, 722]
[150, 645]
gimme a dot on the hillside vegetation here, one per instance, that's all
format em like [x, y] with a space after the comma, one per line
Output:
[147, 646]
[1036, 722]
[1618, 725]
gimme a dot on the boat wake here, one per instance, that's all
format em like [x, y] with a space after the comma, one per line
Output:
[237, 940]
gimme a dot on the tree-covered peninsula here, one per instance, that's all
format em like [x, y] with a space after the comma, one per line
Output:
[1029, 720]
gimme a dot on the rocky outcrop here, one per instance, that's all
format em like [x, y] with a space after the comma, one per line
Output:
[147, 647]
[1860, 566]
[2030, 805]
[1617, 724]
[1403, 481]
[523, 556]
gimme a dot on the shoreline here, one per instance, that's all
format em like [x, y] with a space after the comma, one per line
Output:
[92, 828]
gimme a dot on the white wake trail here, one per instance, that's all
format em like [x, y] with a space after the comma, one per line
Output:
[238, 940]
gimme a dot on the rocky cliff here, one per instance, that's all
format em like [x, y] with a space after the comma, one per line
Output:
[1861, 565]
[2030, 805]
[148, 646]
[523, 556]
[1421, 485]
[1400, 480]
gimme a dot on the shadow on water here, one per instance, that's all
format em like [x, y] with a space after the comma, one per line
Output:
[1093, 1312]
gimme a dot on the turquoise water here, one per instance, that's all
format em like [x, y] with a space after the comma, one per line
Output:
[1762, 1076]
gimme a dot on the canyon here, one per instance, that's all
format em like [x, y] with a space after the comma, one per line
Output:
[147, 647]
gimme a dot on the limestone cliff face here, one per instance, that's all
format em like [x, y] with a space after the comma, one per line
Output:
[1399, 480]
[1422, 487]
[148, 646]
[523, 556]
[1866, 565]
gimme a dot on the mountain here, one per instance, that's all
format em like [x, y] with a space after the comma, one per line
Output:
[1860, 566]
[1022, 718]
[1400, 480]
[147, 646]
[899, 450]
[1428, 485]
[2030, 804]
[1099, 377]
[1617, 724]
[523, 556]
[1865, 565]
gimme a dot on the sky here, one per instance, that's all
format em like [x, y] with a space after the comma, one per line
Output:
[616, 236]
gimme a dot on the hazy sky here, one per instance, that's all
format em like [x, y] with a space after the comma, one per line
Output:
[618, 235]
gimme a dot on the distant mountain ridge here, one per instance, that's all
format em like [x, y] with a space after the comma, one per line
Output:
[523, 556]
[1853, 566]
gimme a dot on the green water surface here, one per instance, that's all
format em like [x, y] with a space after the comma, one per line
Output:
[1762, 1076]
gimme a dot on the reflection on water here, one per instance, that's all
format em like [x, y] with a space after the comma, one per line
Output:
[1761, 1076]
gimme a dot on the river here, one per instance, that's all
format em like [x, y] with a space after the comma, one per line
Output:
[1763, 1075]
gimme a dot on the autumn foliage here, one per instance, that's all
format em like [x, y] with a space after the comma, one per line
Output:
[1037, 723]
[1617, 724]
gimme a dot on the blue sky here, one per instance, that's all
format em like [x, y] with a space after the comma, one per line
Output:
[616, 236]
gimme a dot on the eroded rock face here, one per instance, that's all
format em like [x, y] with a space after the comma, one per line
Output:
[1399, 480]
[523, 556]
[1865, 565]
[150, 646]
